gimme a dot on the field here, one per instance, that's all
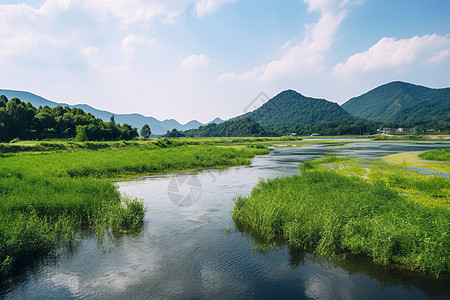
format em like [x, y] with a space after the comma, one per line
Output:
[341, 205]
[50, 195]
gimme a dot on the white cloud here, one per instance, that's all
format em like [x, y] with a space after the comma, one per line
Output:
[195, 61]
[440, 57]
[91, 55]
[393, 54]
[23, 42]
[204, 7]
[255, 72]
[325, 6]
[172, 16]
[50, 6]
[132, 42]
[18, 35]
[143, 12]
[17, 45]
[128, 11]
[309, 55]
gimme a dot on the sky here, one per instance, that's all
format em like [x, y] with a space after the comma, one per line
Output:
[202, 59]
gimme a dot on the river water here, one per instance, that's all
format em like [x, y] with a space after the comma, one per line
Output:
[189, 247]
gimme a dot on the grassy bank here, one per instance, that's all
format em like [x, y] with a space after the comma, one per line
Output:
[17, 146]
[47, 197]
[437, 155]
[341, 205]
[434, 160]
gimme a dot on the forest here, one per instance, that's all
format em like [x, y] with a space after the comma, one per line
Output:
[21, 120]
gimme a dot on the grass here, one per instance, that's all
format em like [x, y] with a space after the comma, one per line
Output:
[438, 155]
[47, 197]
[57, 145]
[341, 205]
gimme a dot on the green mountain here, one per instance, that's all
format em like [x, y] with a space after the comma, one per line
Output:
[233, 128]
[402, 103]
[290, 109]
[286, 113]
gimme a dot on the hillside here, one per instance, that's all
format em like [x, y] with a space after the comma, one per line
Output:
[402, 103]
[286, 113]
[136, 120]
[290, 109]
[233, 128]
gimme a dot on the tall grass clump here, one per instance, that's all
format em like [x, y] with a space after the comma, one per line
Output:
[439, 155]
[332, 214]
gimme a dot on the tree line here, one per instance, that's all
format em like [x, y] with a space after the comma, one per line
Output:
[245, 126]
[21, 120]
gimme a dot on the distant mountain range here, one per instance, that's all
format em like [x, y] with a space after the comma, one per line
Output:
[136, 120]
[290, 111]
[402, 102]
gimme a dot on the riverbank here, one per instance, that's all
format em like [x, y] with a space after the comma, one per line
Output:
[341, 205]
[49, 196]
[417, 160]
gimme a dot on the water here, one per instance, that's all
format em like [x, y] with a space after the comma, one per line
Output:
[195, 252]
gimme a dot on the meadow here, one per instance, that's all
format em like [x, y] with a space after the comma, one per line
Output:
[340, 206]
[48, 196]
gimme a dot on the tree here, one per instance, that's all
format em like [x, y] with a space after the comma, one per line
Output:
[145, 131]
[3, 101]
[174, 133]
[81, 133]
[112, 120]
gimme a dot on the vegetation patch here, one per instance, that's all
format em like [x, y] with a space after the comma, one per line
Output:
[439, 155]
[341, 205]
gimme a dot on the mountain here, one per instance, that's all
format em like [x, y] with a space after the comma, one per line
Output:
[402, 102]
[216, 121]
[290, 109]
[136, 120]
[285, 113]
[239, 127]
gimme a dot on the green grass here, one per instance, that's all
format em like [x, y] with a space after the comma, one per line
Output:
[341, 205]
[439, 155]
[47, 197]
[58, 145]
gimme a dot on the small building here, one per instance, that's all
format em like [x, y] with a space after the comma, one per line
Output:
[315, 134]
[396, 130]
[387, 130]
[293, 134]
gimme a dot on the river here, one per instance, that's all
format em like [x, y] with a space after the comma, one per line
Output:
[189, 247]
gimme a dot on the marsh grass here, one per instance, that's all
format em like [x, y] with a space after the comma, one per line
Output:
[48, 197]
[439, 155]
[341, 205]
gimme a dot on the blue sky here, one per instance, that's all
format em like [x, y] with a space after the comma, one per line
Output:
[198, 59]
